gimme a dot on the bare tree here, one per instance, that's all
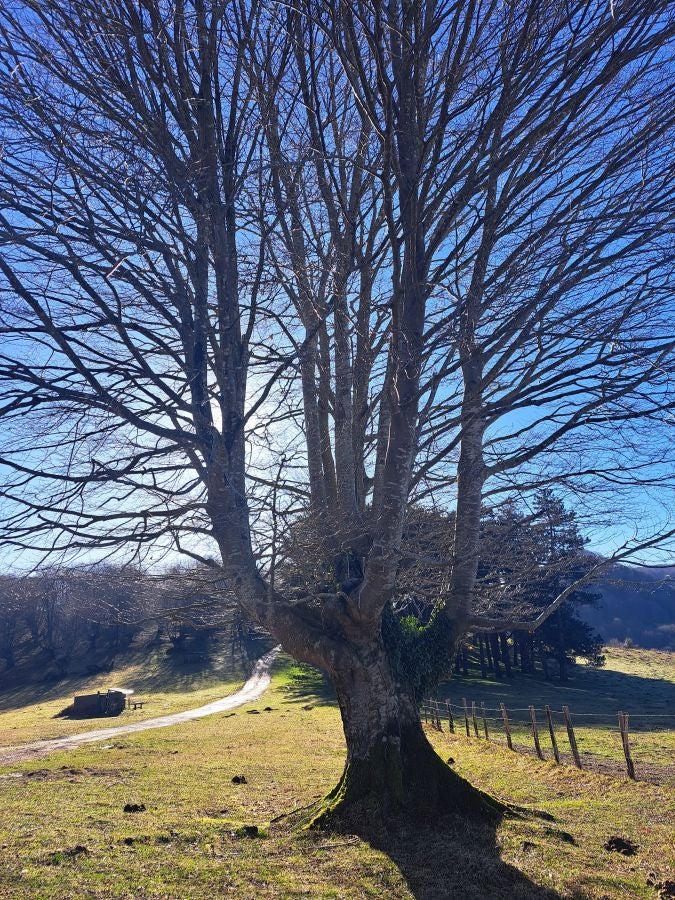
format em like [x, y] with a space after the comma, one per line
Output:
[10, 621]
[265, 265]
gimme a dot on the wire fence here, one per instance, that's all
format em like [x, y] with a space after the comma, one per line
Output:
[596, 741]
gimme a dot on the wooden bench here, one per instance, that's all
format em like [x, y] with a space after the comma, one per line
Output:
[136, 704]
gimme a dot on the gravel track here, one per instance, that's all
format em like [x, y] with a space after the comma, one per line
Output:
[254, 688]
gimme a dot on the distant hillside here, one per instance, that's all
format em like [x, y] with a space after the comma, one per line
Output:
[638, 604]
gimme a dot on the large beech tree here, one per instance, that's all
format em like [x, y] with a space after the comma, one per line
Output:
[323, 260]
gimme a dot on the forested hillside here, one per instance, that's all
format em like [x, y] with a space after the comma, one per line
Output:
[69, 622]
[636, 604]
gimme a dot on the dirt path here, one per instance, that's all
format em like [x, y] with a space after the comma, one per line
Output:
[254, 688]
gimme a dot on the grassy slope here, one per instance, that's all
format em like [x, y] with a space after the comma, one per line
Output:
[640, 682]
[632, 679]
[166, 685]
[186, 843]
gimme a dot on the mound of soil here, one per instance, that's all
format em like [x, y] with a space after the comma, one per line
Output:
[617, 844]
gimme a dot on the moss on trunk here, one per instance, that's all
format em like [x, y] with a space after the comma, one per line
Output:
[392, 772]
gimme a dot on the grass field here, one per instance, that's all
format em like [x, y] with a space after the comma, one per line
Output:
[64, 833]
[31, 712]
[639, 682]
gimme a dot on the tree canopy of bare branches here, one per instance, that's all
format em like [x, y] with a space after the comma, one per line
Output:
[319, 261]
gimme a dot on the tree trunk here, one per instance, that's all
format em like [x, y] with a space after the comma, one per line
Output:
[529, 649]
[488, 653]
[562, 656]
[494, 645]
[312, 424]
[34, 629]
[562, 665]
[526, 654]
[391, 768]
[504, 644]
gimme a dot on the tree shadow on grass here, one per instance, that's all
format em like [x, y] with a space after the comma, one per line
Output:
[150, 671]
[455, 859]
[595, 692]
[305, 684]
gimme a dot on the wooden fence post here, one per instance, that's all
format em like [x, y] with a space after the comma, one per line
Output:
[551, 731]
[485, 727]
[507, 726]
[473, 717]
[439, 724]
[623, 726]
[572, 738]
[451, 721]
[535, 733]
[466, 716]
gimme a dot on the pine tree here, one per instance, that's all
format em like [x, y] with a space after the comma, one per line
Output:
[564, 635]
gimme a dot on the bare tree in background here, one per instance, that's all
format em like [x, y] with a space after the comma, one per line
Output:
[10, 622]
[314, 262]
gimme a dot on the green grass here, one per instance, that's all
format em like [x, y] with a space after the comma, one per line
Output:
[639, 682]
[31, 712]
[189, 844]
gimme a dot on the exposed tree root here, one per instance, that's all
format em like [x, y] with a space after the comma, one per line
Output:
[391, 788]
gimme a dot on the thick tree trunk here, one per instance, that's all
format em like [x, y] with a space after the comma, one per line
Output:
[391, 768]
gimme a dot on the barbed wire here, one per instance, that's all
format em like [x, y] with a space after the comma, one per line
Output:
[542, 709]
[481, 723]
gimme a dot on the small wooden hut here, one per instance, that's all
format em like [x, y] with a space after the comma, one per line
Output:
[102, 703]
